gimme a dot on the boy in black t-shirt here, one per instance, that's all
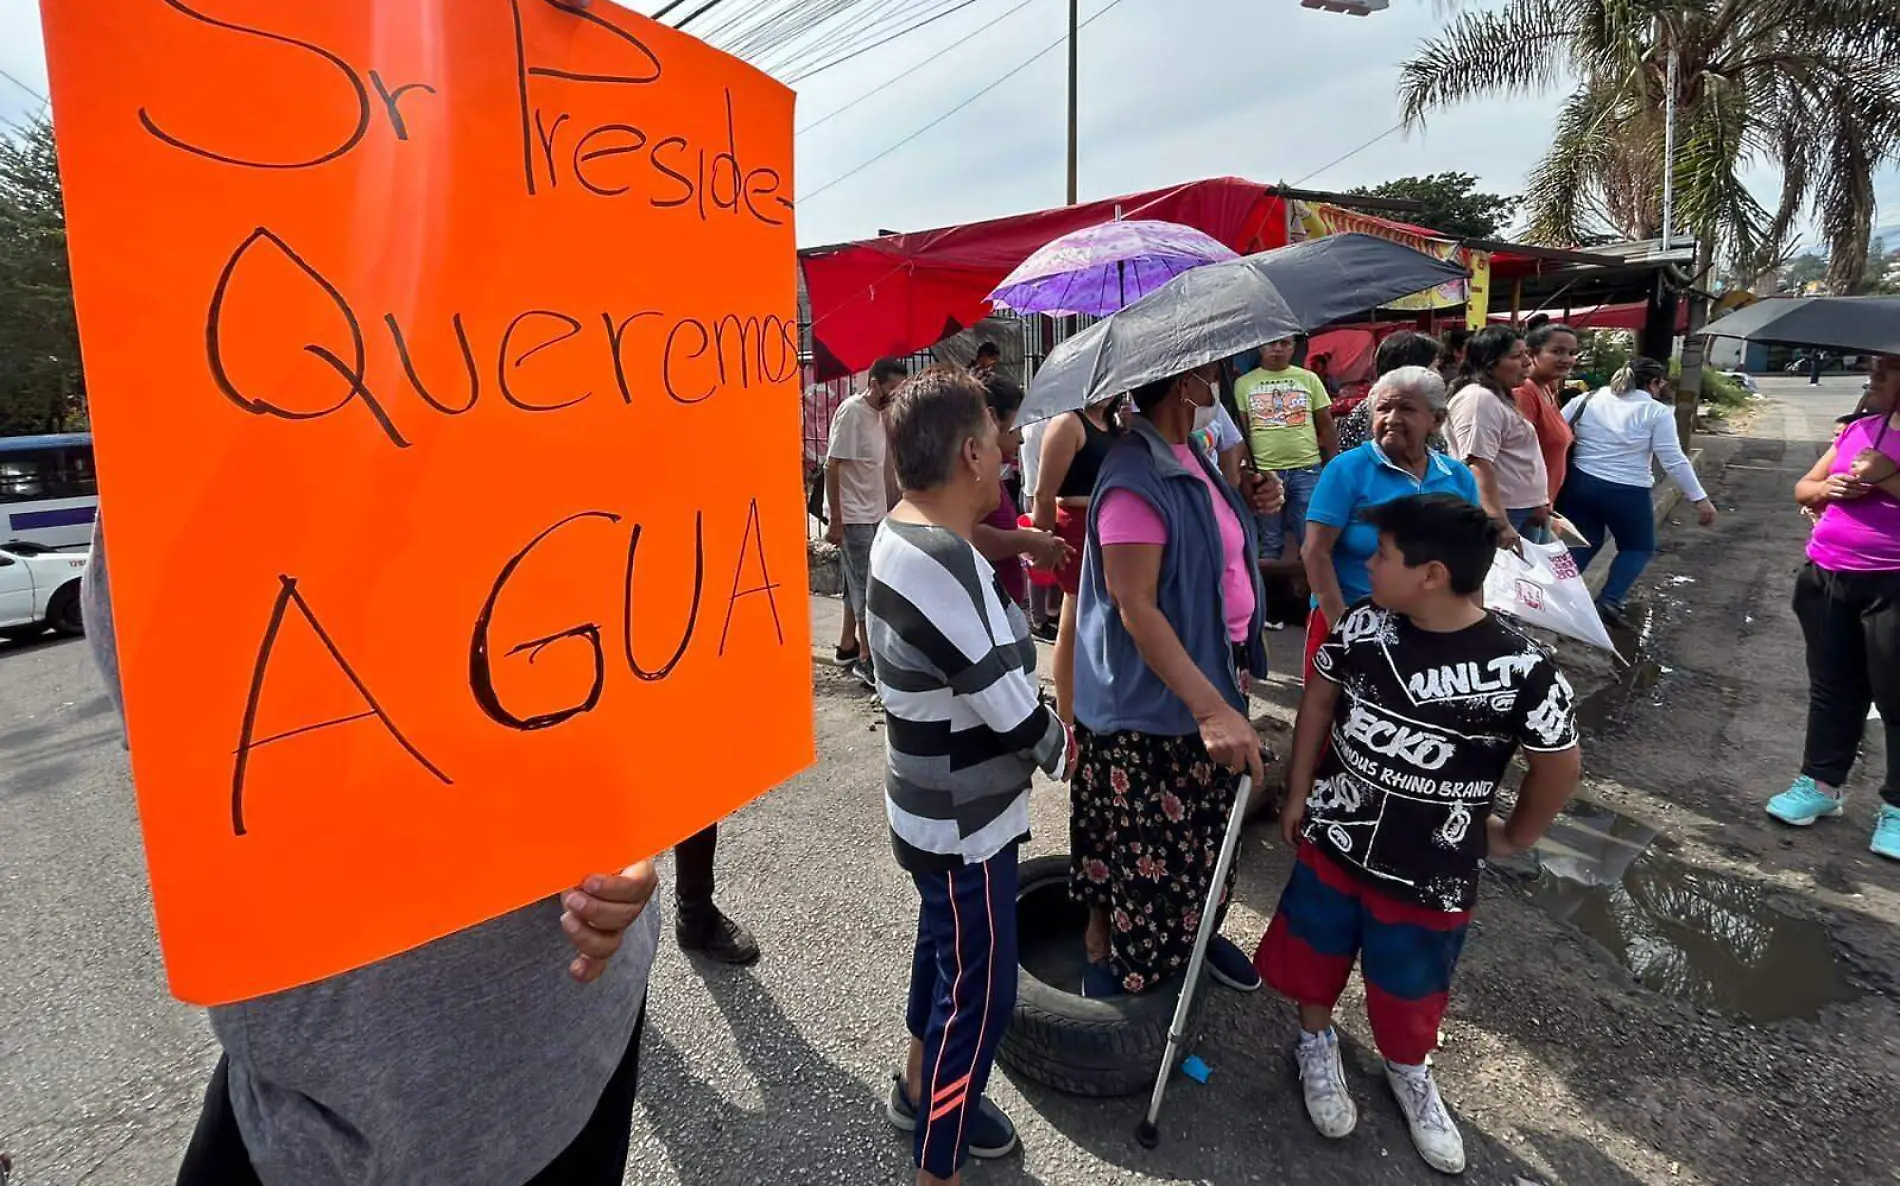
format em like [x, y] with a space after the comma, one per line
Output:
[1421, 699]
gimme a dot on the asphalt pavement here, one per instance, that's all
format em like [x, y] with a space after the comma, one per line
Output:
[778, 1073]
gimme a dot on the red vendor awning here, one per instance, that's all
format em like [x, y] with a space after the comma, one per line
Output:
[896, 294]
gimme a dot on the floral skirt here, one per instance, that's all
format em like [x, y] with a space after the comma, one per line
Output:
[1145, 825]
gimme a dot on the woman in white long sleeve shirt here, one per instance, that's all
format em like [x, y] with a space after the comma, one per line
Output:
[1619, 430]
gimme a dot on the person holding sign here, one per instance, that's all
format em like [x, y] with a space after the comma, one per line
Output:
[966, 729]
[470, 1059]
[394, 800]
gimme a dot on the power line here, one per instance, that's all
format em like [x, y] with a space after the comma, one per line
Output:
[847, 51]
[796, 39]
[847, 36]
[29, 90]
[1039, 54]
[1355, 152]
[694, 15]
[825, 119]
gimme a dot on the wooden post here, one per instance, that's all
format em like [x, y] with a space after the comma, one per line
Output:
[1074, 28]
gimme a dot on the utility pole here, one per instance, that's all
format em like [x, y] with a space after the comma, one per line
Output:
[1074, 27]
[1669, 148]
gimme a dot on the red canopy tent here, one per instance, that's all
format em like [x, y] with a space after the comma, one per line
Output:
[899, 293]
[1632, 316]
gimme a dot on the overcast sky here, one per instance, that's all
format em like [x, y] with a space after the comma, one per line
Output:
[1172, 90]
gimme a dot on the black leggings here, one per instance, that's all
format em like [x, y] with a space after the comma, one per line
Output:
[597, 1157]
[1851, 621]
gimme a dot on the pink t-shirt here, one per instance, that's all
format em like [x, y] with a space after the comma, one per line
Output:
[1127, 518]
[1862, 535]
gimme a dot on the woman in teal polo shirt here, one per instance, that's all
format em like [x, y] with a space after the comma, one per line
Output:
[1408, 406]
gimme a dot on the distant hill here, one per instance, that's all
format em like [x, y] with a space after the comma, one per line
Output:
[1891, 233]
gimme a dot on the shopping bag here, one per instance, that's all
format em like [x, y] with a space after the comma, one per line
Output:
[1543, 587]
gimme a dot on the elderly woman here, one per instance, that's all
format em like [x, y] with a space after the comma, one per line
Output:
[1847, 599]
[1406, 348]
[1488, 433]
[1619, 430]
[1169, 631]
[1408, 407]
[956, 666]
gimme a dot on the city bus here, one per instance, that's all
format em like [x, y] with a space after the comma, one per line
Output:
[49, 492]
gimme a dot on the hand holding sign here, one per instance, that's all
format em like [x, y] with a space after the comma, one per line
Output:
[409, 339]
[598, 912]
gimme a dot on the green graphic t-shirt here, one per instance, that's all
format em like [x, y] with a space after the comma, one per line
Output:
[1280, 407]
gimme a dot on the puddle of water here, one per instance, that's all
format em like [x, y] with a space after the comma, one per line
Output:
[1636, 679]
[1716, 941]
[1632, 685]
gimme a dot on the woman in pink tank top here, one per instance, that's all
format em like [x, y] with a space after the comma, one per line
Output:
[1847, 598]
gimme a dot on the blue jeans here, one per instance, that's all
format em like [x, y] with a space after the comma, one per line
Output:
[1626, 513]
[962, 994]
[1288, 524]
[1521, 523]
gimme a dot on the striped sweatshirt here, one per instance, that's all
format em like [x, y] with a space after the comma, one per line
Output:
[965, 726]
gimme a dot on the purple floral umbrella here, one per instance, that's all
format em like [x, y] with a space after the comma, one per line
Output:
[1099, 269]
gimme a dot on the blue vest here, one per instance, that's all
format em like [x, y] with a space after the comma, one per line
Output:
[1115, 691]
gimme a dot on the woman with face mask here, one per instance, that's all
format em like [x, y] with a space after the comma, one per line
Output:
[1169, 634]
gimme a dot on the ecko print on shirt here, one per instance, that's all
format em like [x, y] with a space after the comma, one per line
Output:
[1424, 728]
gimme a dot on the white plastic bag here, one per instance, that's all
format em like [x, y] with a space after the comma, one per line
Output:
[1543, 588]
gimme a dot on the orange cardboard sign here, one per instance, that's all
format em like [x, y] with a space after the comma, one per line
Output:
[443, 363]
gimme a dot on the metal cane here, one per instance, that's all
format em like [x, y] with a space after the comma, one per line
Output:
[1146, 1132]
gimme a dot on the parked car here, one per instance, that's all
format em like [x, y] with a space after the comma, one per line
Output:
[39, 590]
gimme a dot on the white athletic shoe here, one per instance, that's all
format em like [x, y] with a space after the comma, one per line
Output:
[1323, 1081]
[1433, 1130]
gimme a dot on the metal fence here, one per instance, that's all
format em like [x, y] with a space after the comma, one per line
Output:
[1024, 340]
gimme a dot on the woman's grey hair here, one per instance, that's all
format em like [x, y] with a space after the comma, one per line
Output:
[1423, 382]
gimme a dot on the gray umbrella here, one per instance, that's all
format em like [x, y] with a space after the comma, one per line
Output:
[1861, 325]
[1223, 309]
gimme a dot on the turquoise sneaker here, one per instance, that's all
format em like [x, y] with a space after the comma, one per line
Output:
[1803, 803]
[1887, 834]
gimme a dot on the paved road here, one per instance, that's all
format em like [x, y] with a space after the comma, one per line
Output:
[1561, 1068]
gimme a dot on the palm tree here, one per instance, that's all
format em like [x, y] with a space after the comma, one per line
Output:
[1809, 86]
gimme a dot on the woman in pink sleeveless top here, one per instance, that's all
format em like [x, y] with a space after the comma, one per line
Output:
[1848, 600]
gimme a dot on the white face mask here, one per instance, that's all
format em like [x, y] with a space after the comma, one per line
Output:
[1205, 417]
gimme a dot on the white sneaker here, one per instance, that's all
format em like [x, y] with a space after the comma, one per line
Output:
[1433, 1131]
[1323, 1080]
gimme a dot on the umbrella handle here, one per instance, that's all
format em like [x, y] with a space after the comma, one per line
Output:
[1230, 395]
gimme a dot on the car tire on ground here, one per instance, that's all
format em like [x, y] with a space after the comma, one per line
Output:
[1059, 1038]
[63, 612]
